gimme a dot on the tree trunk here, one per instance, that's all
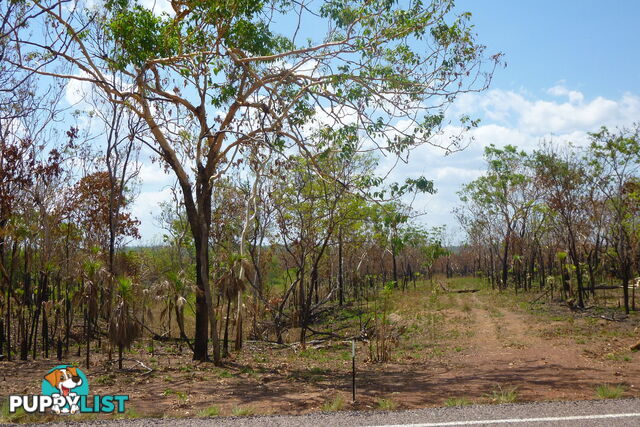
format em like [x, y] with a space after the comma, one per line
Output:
[202, 308]
[199, 221]
[2, 337]
[45, 334]
[340, 270]
[8, 308]
[576, 264]
[301, 296]
[225, 341]
[395, 268]
[238, 343]
[505, 262]
[119, 356]
[87, 329]
[625, 291]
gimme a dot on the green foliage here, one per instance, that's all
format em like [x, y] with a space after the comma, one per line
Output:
[141, 36]
[493, 190]
[125, 288]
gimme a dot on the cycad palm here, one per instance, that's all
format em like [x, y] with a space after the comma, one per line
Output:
[123, 327]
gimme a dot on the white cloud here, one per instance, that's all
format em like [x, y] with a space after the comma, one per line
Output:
[549, 117]
[146, 207]
[508, 117]
[452, 172]
[158, 6]
[560, 91]
[541, 117]
[76, 92]
[154, 174]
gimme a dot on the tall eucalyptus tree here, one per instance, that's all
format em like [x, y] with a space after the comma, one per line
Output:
[211, 78]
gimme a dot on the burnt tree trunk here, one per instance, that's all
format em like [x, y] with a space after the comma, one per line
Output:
[340, 270]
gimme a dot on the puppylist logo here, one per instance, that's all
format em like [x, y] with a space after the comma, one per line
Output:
[65, 390]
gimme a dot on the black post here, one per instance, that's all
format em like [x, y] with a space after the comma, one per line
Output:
[353, 369]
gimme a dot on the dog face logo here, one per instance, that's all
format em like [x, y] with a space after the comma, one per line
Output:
[64, 379]
[68, 382]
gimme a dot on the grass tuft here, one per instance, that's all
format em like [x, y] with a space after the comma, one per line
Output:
[242, 412]
[336, 404]
[211, 411]
[387, 404]
[503, 395]
[457, 401]
[609, 391]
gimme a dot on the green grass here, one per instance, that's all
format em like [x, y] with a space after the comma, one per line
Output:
[493, 311]
[260, 358]
[457, 401]
[225, 374]
[318, 371]
[211, 411]
[336, 404]
[618, 357]
[387, 404]
[8, 417]
[108, 379]
[238, 411]
[179, 394]
[503, 395]
[609, 391]
[129, 414]
[317, 355]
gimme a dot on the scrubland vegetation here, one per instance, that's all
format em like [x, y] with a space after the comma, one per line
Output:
[283, 242]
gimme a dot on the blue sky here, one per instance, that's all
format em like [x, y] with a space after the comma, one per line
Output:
[591, 45]
[572, 66]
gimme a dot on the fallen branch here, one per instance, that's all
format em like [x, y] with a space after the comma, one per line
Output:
[544, 294]
[610, 319]
[272, 344]
[329, 334]
[164, 338]
[149, 370]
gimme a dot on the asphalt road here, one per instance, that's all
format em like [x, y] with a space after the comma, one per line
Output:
[623, 412]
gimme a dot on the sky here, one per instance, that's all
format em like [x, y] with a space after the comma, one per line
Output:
[571, 67]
